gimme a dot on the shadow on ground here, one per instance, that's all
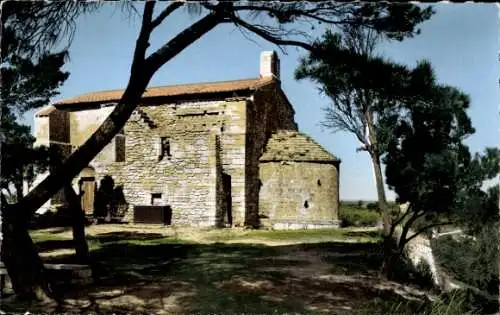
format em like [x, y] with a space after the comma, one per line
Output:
[164, 276]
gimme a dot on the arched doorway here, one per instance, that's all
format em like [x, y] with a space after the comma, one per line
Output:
[87, 187]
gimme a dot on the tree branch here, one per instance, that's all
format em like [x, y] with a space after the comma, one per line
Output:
[142, 42]
[399, 220]
[407, 226]
[265, 35]
[165, 13]
[186, 38]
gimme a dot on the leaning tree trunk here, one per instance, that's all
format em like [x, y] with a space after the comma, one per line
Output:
[388, 244]
[20, 256]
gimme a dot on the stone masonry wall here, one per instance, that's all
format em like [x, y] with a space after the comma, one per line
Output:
[42, 131]
[266, 114]
[84, 123]
[228, 120]
[299, 191]
[186, 180]
[184, 124]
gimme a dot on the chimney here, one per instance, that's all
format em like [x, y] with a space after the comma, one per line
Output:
[269, 65]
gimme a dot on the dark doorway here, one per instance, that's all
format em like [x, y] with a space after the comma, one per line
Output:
[87, 193]
[226, 186]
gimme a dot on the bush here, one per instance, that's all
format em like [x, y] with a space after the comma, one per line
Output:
[474, 262]
[403, 271]
[355, 216]
[373, 206]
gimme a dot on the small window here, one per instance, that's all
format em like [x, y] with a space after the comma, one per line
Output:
[120, 148]
[306, 204]
[155, 199]
[164, 148]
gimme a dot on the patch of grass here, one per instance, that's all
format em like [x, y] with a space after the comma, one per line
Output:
[312, 235]
[46, 235]
[451, 303]
[356, 216]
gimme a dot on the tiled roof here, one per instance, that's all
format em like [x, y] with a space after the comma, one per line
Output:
[293, 146]
[45, 111]
[171, 90]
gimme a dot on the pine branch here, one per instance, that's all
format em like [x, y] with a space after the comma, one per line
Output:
[165, 13]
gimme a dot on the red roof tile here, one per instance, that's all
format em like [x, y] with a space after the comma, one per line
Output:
[171, 90]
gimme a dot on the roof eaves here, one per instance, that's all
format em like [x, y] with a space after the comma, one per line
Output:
[93, 97]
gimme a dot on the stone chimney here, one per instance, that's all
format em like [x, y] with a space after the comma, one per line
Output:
[269, 65]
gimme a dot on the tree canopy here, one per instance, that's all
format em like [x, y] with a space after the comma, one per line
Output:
[29, 81]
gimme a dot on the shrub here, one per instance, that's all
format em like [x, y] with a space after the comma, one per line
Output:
[420, 275]
[474, 262]
[354, 216]
[373, 206]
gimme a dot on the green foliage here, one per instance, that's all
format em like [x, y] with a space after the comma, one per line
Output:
[474, 262]
[455, 302]
[373, 206]
[20, 161]
[420, 275]
[40, 25]
[28, 82]
[427, 163]
[355, 216]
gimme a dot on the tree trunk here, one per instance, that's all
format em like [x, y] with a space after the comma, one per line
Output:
[78, 225]
[390, 258]
[24, 266]
[382, 201]
[19, 190]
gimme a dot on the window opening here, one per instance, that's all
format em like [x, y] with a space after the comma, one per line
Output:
[155, 199]
[165, 148]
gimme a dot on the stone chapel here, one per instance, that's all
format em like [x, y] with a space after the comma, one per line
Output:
[206, 154]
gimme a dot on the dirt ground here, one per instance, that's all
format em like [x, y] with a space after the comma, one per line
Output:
[184, 271]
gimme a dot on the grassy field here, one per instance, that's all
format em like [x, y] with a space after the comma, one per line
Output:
[230, 271]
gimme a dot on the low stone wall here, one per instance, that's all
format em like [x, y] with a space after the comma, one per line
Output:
[284, 225]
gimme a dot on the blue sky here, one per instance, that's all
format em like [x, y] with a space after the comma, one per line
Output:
[461, 41]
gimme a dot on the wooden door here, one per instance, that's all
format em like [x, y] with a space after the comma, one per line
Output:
[87, 193]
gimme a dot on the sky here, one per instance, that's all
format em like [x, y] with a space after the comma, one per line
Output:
[460, 40]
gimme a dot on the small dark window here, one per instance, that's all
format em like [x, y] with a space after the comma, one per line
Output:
[120, 148]
[165, 148]
[155, 199]
[306, 204]
[319, 182]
